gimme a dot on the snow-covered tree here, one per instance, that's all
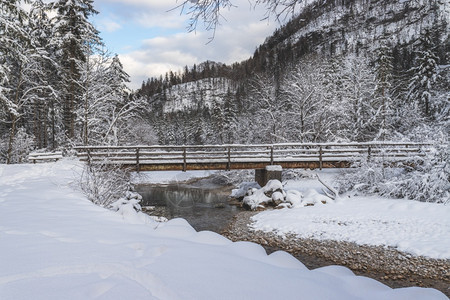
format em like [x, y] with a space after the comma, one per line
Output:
[24, 83]
[267, 108]
[107, 107]
[230, 118]
[75, 36]
[13, 41]
[46, 119]
[218, 122]
[359, 109]
[302, 91]
[384, 77]
[424, 75]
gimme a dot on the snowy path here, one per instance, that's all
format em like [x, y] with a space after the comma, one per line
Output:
[55, 244]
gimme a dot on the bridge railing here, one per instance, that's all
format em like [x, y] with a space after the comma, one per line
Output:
[248, 156]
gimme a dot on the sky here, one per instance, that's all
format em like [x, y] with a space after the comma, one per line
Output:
[151, 36]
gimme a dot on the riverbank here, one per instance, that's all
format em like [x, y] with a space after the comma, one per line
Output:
[369, 235]
[393, 268]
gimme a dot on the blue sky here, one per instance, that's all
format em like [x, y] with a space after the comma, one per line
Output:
[151, 39]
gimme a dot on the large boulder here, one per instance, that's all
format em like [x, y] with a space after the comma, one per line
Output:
[271, 194]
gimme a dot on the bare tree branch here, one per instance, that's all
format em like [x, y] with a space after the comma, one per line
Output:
[209, 13]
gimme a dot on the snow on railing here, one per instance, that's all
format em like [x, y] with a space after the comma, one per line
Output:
[44, 156]
[237, 155]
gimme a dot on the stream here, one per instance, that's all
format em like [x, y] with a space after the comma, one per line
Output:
[203, 204]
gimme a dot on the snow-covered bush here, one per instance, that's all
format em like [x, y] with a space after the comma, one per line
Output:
[426, 179]
[104, 183]
[366, 176]
[296, 174]
[429, 182]
[129, 208]
[235, 177]
[22, 145]
[129, 201]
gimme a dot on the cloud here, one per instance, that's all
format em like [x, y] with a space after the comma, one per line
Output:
[166, 45]
[164, 20]
[108, 25]
[140, 3]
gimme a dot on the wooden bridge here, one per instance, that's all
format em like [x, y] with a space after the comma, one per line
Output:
[228, 157]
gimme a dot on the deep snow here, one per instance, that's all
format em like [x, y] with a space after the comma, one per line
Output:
[55, 244]
[413, 227]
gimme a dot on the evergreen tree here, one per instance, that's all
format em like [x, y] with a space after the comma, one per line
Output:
[424, 75]
[107, 108]
[117, 78]
[384, 68]
[76, 35]
[230, 118]
[15, 48]
[218, 122]
[47, 121]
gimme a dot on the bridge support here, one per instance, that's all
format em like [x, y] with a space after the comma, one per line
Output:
[262, 176]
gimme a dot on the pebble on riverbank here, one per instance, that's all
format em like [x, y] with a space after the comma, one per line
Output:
[392, 267]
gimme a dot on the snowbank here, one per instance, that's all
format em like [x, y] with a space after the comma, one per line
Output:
[55, 244]
[414, 227]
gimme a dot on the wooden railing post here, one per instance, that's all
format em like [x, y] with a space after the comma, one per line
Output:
[184, 160]
[320, 157]
[369, 150]
[137, 160]
[229, 159]
[88, 156]
[271, 154]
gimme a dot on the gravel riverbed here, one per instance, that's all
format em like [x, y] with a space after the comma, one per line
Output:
[393, 268]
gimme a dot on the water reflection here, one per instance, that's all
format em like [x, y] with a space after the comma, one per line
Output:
[203, 209]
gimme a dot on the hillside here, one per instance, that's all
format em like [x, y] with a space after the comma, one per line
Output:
[353, 26]
[393, 52]
[200, 93]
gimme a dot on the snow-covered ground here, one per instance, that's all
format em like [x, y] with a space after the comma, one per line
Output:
[55, 244]
[414, 227]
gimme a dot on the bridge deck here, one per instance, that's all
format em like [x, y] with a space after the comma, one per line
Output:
[227, 157]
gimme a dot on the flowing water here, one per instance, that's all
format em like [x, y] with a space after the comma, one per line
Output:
[205, 207]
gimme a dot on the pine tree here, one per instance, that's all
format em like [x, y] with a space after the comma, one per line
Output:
[47, 120]
[218, 122]
[76, 35]
[384, 68]
[21, 72]
[424, 75]
[107, 107]
[230, 118]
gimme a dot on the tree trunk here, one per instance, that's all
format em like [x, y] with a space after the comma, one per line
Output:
[12, 133]
[14, 119]
[52, 107]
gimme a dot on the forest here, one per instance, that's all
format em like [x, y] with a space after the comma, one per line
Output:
[58, 84]
[311, 81]
[339, 71]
